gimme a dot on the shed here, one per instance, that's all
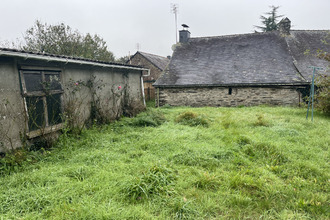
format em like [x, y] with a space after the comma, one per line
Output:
[41, 92]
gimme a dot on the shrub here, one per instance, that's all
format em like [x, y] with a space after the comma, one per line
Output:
[14, 160]
[323, 94]
[192, 119]
[132, 108]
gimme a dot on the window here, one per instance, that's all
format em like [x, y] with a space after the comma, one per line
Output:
[230, 91]
[42, 93]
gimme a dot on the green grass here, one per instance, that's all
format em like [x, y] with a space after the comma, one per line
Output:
[247, 163]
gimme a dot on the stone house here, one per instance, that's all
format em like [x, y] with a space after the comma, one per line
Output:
[38, 92]
[155, 63]
[242, 70]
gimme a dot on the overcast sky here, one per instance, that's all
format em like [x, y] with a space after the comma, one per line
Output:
[125, 23]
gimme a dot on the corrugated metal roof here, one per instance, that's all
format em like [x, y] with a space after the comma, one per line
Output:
[65, 59]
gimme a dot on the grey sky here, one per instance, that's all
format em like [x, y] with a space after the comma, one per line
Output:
[124, 23]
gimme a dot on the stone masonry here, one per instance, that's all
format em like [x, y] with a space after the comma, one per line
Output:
[155, 72]
[228, 96]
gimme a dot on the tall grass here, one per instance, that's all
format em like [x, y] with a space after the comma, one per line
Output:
[247, 163]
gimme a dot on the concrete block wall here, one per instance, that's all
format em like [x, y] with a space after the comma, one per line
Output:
[221, 96]
[13, 119]
[111, 88]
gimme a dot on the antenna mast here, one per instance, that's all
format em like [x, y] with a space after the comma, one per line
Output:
[175, 10]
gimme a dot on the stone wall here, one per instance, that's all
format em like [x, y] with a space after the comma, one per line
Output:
[155, 72]
[221, 96]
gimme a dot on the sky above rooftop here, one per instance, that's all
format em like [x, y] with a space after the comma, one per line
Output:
[149, 25]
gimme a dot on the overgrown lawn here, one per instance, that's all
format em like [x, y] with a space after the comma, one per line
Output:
[185, 163]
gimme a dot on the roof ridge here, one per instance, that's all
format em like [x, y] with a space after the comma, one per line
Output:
[151, 54]
[155, 60]
[235, 35]
[311, 30]
[249, 34]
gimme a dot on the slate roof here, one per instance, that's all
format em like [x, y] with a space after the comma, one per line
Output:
[159, 61]
[301, 41]
[267, 58]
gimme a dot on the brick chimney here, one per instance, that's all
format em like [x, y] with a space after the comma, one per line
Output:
[284, 26]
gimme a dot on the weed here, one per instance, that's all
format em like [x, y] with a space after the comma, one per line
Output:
[158, 180]
[261, 121]
[192, 158]
[167, 106]
[149, 119]
[79, 174]
[243, 140]
[207, 181]
[242, 172]
[246, 183]
[182, 209]
[133, 108]
[192, 119]
[290, 132]
[266, 152]
[15, 160]
[271, 153]
[223, 155]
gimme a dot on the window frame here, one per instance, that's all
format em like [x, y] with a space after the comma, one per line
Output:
[46, 128]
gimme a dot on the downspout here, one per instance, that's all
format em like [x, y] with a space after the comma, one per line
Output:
[157, 97]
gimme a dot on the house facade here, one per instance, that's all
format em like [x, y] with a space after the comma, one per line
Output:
[155, 63]
[40, 93]
[242, 70]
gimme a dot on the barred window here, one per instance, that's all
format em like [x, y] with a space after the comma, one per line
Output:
[42, 93]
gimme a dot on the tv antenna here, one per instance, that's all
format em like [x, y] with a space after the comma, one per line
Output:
[175, 11]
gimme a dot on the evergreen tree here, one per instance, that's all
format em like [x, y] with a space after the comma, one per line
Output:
[270, 20]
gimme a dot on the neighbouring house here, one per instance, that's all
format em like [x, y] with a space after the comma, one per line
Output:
[39, 93]
[155, 63]
[242, 70]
